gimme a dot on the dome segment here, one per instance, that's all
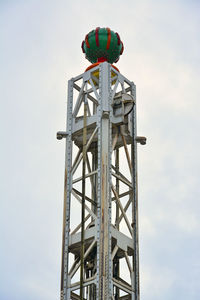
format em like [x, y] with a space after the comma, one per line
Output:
[102, 44]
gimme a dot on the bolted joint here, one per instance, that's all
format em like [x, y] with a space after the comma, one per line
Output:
[141, 139]
[105, 115]
[61, 134]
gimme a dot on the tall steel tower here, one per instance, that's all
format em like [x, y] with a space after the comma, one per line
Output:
[100, 252]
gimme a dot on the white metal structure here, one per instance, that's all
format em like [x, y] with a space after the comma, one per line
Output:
[100, 258]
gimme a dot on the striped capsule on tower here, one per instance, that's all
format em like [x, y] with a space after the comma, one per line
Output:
[102, 44]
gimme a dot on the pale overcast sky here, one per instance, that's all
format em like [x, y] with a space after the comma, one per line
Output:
[40, 49]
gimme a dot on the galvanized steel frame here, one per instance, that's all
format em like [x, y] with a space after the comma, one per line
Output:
[105, 241]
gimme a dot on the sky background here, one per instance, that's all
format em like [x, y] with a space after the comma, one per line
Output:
[40, 49]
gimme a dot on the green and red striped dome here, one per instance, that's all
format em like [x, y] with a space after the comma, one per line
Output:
[102, 44]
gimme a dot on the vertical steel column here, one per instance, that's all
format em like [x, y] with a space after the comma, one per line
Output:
[116, 261]
[135, 200]
[104, 186]
[83, 198]
[64, 295]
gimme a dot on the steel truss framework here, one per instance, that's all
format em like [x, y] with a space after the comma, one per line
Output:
[100, 227]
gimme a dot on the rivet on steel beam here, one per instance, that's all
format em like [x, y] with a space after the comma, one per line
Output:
[141, 139]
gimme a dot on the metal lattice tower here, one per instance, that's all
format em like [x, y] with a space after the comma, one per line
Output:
[100, 252]
[100, 188]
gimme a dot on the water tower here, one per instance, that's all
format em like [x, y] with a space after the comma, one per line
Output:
[100, 251]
